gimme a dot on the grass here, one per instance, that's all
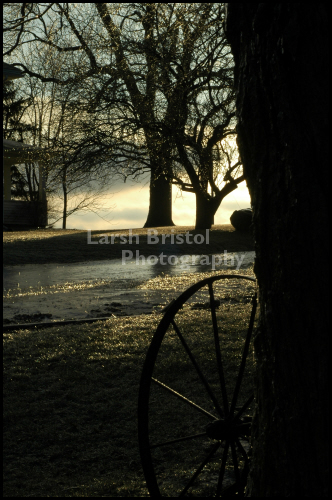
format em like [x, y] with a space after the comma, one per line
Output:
[45, 246]
[70, 397]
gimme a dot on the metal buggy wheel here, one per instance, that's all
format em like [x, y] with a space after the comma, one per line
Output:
[195, 405]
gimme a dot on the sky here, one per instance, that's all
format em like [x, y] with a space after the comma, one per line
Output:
[126, 207]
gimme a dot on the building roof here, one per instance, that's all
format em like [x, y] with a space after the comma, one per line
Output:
[13, 150]
[10, 72]
[18, 150]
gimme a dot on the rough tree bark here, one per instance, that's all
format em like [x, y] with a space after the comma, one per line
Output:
[281, 59]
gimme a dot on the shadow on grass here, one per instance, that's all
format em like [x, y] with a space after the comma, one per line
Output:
[47, 246]
[70, 399]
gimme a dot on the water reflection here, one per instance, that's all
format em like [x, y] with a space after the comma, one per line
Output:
[120, 275]
[99, 289]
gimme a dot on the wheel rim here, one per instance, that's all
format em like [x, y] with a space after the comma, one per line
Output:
[168, 447]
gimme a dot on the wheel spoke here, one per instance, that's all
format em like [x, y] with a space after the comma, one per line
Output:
[200, 374]
[218, 351]
[235, 463]
[178, 440]
[222, 469]
[245, 470]
[242, 450]
[171, 439]
[199, 470]
[244, 407]
[183, 398]
[244, 356]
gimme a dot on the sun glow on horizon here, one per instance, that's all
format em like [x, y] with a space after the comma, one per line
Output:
[131, 204]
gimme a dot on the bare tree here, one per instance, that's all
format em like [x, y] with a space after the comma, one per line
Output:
[47, 119]
[152, 80]
[195, 113]
[16, 17]
[199, 83]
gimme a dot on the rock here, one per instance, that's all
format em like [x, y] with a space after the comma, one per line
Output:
[241, 219]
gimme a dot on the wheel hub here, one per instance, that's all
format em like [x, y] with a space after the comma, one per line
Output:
[224, 428]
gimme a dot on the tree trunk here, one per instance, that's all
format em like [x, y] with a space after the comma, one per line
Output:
[207, 206]
[160, 207]
[281, 76]
[64, 214]
[205, 211]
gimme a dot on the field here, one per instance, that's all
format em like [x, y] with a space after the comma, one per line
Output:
[70, 395]
[45, 246]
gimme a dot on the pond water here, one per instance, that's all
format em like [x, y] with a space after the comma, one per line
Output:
[100, 288]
